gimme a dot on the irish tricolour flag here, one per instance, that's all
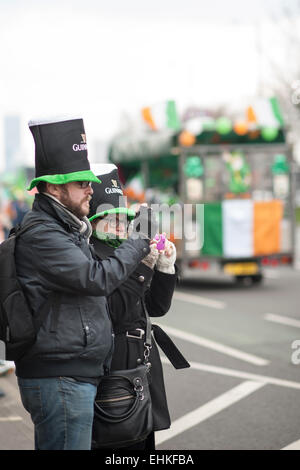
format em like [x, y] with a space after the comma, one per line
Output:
[244, 228]
[265, 113]
[162, 116]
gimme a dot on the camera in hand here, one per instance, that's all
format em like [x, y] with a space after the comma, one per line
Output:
[145, 222]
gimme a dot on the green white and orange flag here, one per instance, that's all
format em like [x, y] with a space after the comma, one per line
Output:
[135, 188]
[162, 116]
[265, 113]
[244, 228]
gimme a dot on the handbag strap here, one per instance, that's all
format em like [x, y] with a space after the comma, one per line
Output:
[163, 340]
[148, 338]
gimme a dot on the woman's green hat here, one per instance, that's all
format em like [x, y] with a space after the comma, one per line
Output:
[61, 154]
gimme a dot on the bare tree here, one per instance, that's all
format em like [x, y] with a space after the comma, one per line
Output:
[285, 81]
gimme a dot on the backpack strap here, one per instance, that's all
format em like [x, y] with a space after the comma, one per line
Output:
[54, 296]
[18, 229]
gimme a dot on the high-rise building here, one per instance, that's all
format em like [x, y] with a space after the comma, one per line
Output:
[12, 141]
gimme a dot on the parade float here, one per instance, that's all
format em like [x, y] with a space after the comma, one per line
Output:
[233, 175]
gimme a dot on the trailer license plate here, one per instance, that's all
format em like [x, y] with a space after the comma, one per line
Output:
[241, 269]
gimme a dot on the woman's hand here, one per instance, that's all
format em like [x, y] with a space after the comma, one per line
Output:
[166, 259]
[151, 259]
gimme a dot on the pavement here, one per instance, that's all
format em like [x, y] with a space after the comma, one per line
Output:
[16, 428]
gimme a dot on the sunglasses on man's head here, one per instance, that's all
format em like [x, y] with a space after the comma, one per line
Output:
[84, 184]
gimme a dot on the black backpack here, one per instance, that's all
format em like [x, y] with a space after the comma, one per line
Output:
[17, 327]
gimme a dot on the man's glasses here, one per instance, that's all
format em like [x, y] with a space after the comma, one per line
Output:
[84, 184]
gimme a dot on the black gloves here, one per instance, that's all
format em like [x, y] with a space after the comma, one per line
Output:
[145, 223]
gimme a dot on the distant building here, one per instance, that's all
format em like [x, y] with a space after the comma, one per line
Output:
[99, 153]
[12, 142]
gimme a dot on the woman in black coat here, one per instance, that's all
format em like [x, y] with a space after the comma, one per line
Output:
[156, 287]
[153, 281]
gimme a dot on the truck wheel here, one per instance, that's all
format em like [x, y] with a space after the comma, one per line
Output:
[244, 280]
[257, 278]
[249, 280]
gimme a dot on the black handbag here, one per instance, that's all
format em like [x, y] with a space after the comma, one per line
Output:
[122, 407]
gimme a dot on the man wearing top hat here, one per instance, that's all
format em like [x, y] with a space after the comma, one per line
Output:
[66, 285]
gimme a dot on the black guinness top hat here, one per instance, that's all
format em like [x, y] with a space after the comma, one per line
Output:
[108, 197]
[60, 151]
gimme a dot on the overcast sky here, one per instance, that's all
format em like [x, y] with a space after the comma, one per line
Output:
[100, 58]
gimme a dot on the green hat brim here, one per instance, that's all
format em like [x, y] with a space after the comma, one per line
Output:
[86, 175]
[118, 210]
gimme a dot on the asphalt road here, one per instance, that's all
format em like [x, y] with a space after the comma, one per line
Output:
[242, 390]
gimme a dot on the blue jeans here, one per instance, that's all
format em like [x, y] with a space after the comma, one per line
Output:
[62, 410]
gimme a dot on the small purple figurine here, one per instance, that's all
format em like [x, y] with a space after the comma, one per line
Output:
[161, 240]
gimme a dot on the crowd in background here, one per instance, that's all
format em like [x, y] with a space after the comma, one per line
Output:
[12, 212]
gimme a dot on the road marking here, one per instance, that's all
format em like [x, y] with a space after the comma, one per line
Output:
[10, 418]
[208, 410]
[197, 300]
[240, 374]
[271, 274]
[283, 320]
[297, 265]
[207, 343]
[294, 446]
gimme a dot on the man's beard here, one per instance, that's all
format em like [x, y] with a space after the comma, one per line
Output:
[77, 209]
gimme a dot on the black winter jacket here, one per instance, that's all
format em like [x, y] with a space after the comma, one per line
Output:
[75, 338]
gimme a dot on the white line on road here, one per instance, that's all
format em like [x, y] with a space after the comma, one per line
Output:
[207, 343]
[197, 300]
[271, 274]
[294, 446]
[297, 265]
[240, 374]
[10, 418]
[209, 409]
[283, 320]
